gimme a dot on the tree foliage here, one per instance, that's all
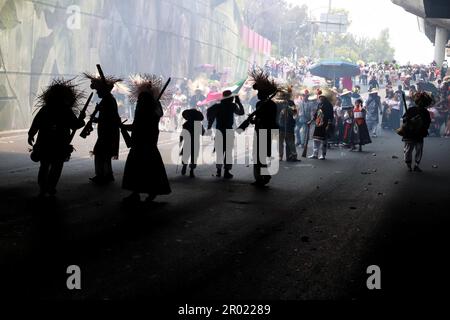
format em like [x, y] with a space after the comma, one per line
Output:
[269, 17]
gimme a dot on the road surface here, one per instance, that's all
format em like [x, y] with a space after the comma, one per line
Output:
[310, 235]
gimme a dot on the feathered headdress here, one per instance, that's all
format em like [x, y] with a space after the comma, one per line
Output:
[61, 92]
[98, 83]
[423, 99]
[262, 82]
[149, 83]
[329, 95]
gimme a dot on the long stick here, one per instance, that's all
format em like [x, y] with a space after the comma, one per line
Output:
[82, 114]
[164, 89]
[88, 128]
[305, 148]
[125, 135]
[100, 72]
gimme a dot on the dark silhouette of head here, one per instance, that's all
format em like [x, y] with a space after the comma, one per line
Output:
[102, 86]
[145, 89]
[423, 99]
[262, 83]
[61, 94]
[227, 96]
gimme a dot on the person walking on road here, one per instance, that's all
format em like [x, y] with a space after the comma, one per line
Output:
[53, 124]
[223, 115]
[144, 169]
[374, 111]
[323, 118]
[416, 121]
[108, 129]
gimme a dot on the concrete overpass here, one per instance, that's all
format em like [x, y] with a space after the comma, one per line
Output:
[434, 21]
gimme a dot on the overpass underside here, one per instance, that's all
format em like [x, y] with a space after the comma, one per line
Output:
[434, 21]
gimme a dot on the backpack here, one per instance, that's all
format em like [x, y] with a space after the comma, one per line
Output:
[414, 125]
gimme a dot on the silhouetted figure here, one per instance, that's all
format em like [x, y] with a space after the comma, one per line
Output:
[144, 169]
[265, 120]
[108, 129]
[223, 114]
[286, 123]
[53, 123]
[191, 145]
[417, 121]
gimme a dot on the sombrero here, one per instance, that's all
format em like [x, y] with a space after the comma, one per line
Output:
[345, 92]
[192, 115]
[329, 95]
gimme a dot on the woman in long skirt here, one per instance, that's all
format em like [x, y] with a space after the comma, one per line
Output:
[144, 169]
[361, 134]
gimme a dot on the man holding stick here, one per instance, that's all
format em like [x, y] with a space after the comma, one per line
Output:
[108, 128]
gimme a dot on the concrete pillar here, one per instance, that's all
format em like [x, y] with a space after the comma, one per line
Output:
[439, 45]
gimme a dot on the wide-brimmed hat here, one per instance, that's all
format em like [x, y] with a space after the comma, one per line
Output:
[373, 90]
[192, 115]
[313, 97]
[97, 83]
[329, 95]
[345, 92]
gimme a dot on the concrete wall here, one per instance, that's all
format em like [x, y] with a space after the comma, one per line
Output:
[39, 40]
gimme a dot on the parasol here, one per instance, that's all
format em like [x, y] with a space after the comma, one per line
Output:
[428, 87]
[331, 69]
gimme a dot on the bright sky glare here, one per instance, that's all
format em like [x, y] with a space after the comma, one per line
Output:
[369, 17]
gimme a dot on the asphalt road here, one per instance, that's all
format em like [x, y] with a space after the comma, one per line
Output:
[310, 235]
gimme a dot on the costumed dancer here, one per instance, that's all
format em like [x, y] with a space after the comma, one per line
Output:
[56, 117]
[108, 129]
[347, 104]
[416, 121]
[324, 124]
[361, 134]
[374, 111]
[223, 114]
[144, 169]
[347, 135]
[190, 138]
[303, 117]
[265, 120]
[286, 123]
